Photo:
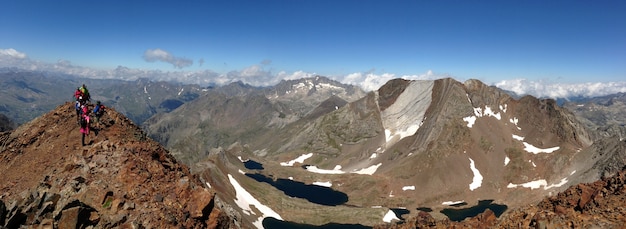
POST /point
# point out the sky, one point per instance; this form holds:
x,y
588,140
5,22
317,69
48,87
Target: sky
x,y
528,46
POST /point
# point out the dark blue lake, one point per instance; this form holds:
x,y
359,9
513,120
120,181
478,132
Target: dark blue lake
x,y
457,215
312,193
271,223
250,164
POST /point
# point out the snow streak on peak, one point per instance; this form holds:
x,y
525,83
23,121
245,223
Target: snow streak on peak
x,y
404,117
480,112
478,179
300,160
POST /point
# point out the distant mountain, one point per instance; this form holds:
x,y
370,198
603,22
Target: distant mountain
x,y
120,180
239,112
603,115
28,94
410,145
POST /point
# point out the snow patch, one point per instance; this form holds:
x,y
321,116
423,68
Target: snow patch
x,y
242,172
412,187
450,203
478,179
145,90
300,160
506,160
534,150
390,216
244,199
314,169
538,184
369,170
337,170
208,184
373,156
517,137
323,184
514,120
478,113
470,120
181,91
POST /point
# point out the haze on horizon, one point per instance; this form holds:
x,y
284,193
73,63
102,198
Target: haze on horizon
x,y
551,49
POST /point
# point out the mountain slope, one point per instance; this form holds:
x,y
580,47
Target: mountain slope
x,y
422,144
241,113
121,179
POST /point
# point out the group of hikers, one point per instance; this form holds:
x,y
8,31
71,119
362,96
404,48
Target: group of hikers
x,y
83,112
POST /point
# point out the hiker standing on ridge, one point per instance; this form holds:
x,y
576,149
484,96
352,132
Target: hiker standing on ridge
x,y
78,107
98,111
86,96
78,94
84,123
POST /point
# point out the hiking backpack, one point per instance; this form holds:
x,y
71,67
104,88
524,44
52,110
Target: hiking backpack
x,y
83,122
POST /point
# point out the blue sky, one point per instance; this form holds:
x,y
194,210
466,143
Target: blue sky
x,y
555,41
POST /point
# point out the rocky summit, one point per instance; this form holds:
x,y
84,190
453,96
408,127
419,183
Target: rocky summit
x,y
120,179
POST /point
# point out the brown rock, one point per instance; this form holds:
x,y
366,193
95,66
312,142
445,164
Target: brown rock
x,y
586,194
69,218
201,201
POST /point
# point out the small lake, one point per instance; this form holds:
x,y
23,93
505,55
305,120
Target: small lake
x,y
312,193
456,214
272,223
250,164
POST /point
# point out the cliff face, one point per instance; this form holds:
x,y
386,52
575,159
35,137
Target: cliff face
x,y
121,178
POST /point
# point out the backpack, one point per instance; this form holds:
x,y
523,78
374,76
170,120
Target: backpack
x,y
83,122
96,109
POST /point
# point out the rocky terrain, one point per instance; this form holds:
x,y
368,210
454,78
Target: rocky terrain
x,y
120,179
589,205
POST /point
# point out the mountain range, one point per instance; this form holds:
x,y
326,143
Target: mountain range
x,y
312,151
408,145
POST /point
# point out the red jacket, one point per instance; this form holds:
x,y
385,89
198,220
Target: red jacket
x,y
78,94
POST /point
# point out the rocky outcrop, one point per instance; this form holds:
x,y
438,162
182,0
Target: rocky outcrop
x,y
121,179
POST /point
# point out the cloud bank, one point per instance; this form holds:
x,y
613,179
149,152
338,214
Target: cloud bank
x,y
153,55
561,90
261,74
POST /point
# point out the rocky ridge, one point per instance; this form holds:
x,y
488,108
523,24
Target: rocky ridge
x,y
121,179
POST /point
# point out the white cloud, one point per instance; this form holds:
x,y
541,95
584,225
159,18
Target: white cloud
x,y
153,55
370,81
12,53
561,90
260,75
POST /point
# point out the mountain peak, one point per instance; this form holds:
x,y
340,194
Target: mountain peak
x,y
121,178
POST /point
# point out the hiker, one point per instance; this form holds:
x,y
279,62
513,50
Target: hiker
x,y
84,123
85,92
78,107
98,111
78,94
